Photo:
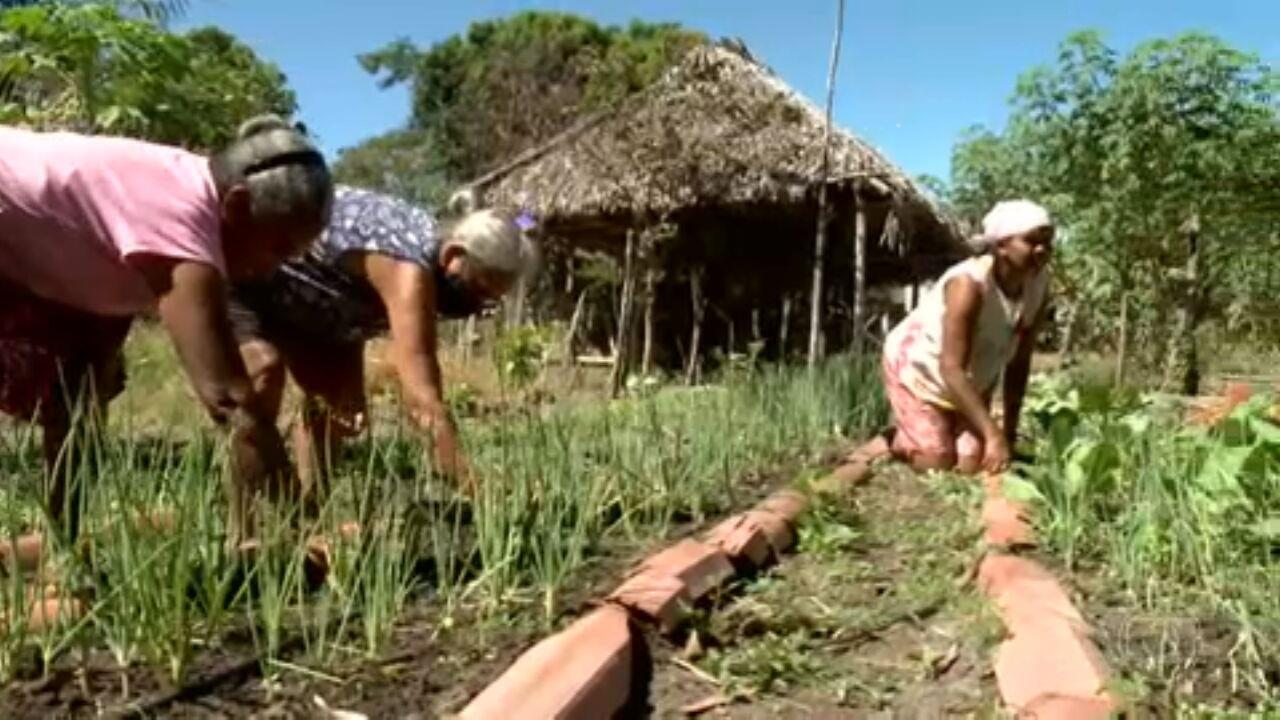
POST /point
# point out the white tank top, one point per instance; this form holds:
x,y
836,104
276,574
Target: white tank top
x,y
915,345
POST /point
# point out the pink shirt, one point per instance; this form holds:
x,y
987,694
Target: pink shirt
x,y
74,209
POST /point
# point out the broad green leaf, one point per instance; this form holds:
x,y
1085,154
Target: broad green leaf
x,y
1021,490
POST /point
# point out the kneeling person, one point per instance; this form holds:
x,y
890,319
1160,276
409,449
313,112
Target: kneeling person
x,y
382,265
978,324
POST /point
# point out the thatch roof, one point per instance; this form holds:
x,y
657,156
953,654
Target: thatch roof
x,y
718,130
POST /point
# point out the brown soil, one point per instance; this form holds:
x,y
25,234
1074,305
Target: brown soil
x,y
1170,661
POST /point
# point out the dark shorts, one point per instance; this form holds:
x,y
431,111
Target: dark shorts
x,y
265,312
50,353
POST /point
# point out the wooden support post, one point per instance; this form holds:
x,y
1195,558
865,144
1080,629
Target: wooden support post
x,y
859,274
519,293
622,350
572,332
650,289
1068,348
784,331
820,242
815,292
1182,371
466,337
1122,349
693,371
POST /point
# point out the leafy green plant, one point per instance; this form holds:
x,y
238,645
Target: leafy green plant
x,y
769,663
519,354
1188,510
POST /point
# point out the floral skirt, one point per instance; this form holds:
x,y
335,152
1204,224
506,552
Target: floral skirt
x,y
51,353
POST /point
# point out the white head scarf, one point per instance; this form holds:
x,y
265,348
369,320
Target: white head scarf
x,y
1009,218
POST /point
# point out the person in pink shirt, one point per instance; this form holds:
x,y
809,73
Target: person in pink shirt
x,y
96,230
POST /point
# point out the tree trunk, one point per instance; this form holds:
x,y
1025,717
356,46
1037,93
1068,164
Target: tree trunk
x,y
1122,347
574,319
517,304
467,337
784,331
1182,371
1069,333
693,371
820,242
859,274
622,350
646,356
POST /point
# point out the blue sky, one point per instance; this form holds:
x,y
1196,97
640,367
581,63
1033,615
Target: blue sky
x,y
913,74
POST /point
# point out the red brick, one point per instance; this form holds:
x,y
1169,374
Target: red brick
x,y
998,572
1048,658
844,478
24,551
701,567
777,529
657,596
743,539
787,504
160,521
46,613
1006,523
993,483
1059,707
582,673
1026,593
876,448
1049,651
673,579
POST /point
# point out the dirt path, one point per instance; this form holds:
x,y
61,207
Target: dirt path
x,y
866,621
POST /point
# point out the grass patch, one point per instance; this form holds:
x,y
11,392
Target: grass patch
x,y
559,486
867,615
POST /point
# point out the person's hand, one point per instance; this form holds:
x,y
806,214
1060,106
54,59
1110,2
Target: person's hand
x,y
996,454
468,485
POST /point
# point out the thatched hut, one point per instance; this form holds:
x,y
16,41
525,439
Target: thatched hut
x,y
711,177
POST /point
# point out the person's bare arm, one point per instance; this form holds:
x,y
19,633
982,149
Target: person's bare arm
x,y
1017,373
193,310
408,292
963,302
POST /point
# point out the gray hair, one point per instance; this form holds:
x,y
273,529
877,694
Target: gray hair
x,y
496,242
285,174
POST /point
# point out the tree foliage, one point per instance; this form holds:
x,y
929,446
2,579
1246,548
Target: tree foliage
x,y
482,96
92,68
401,162
158,10
1128,150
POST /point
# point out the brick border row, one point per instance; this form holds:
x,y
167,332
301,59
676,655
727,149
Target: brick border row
x,y
599,666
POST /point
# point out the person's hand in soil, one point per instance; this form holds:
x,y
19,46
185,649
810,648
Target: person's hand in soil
x,y
996,454
466,482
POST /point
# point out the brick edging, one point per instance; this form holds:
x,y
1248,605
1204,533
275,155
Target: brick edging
x,y
1048,666
600,664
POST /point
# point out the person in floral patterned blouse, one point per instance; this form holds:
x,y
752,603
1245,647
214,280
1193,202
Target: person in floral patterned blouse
x,y
383,266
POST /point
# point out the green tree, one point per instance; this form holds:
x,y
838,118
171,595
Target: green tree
x,y
504,85
90,68
1132,152
401,163
223,83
